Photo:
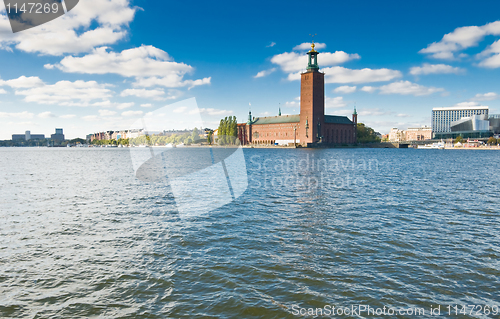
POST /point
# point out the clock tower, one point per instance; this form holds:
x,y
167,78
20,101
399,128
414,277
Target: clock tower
x,y
312,101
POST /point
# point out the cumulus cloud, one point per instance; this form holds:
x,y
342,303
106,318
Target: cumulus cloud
x,y
90,118
150,66
368,89
23,82
294,103
335,102
90,24
210,111
491,56
264,73
146,105
106,113
295,62
144,93
373,112
307,46
122,106
2,91
272,44
408,88
468,104
180,109
19,115
132,113
338,74
68,116
460,39
345,89
427,68
485,97
78,93
46,115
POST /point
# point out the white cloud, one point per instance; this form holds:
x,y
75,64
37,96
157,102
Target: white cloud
x,y
20,115
90,118
271,45
345,89
144,93
211,111
106,113
335,102
67,93
172,81
150,66
408,88
294,103
147,105
91,23
78,93
373,112
132,113
492,54
122,106
485,97
180,109
2,91
460,39
465,104
338,74
294,62
427,68
264,73
403,115
68,116
23,82
46,115
368,89
307,46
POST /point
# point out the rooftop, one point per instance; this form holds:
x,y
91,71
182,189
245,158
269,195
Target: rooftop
x,y
277,119
334,119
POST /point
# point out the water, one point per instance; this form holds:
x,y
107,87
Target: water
x,y
81,237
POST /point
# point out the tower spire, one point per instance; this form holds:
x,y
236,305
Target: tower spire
x,y
312,66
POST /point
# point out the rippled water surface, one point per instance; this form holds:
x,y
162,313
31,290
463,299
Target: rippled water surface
x,y
81,237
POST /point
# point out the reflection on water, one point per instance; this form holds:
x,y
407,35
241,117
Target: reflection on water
x,y
82,237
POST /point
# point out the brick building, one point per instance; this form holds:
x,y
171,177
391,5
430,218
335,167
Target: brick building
x,y
309,128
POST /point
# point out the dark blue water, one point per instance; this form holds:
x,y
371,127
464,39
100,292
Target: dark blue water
x,y
81,237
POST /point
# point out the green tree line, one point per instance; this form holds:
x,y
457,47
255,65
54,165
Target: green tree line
x,y
365,134
228,131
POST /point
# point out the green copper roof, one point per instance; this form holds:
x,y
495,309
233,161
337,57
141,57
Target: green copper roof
x,y
277,119
334,119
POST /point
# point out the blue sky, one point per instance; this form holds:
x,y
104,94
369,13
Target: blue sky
x,y
109,62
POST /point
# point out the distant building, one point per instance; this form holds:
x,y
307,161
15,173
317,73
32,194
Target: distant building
x,y
495,123
418,133
59,136
443,116
397,135
27,136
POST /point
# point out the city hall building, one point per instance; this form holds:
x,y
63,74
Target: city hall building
x,y
311,127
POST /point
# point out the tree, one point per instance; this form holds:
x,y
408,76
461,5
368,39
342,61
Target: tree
x,y
459,139
365,134
492,141
209,137
195,135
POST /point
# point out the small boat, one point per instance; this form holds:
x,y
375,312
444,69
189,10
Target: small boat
x,y
433,146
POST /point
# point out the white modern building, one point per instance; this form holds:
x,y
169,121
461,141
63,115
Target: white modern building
x,y
443,116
